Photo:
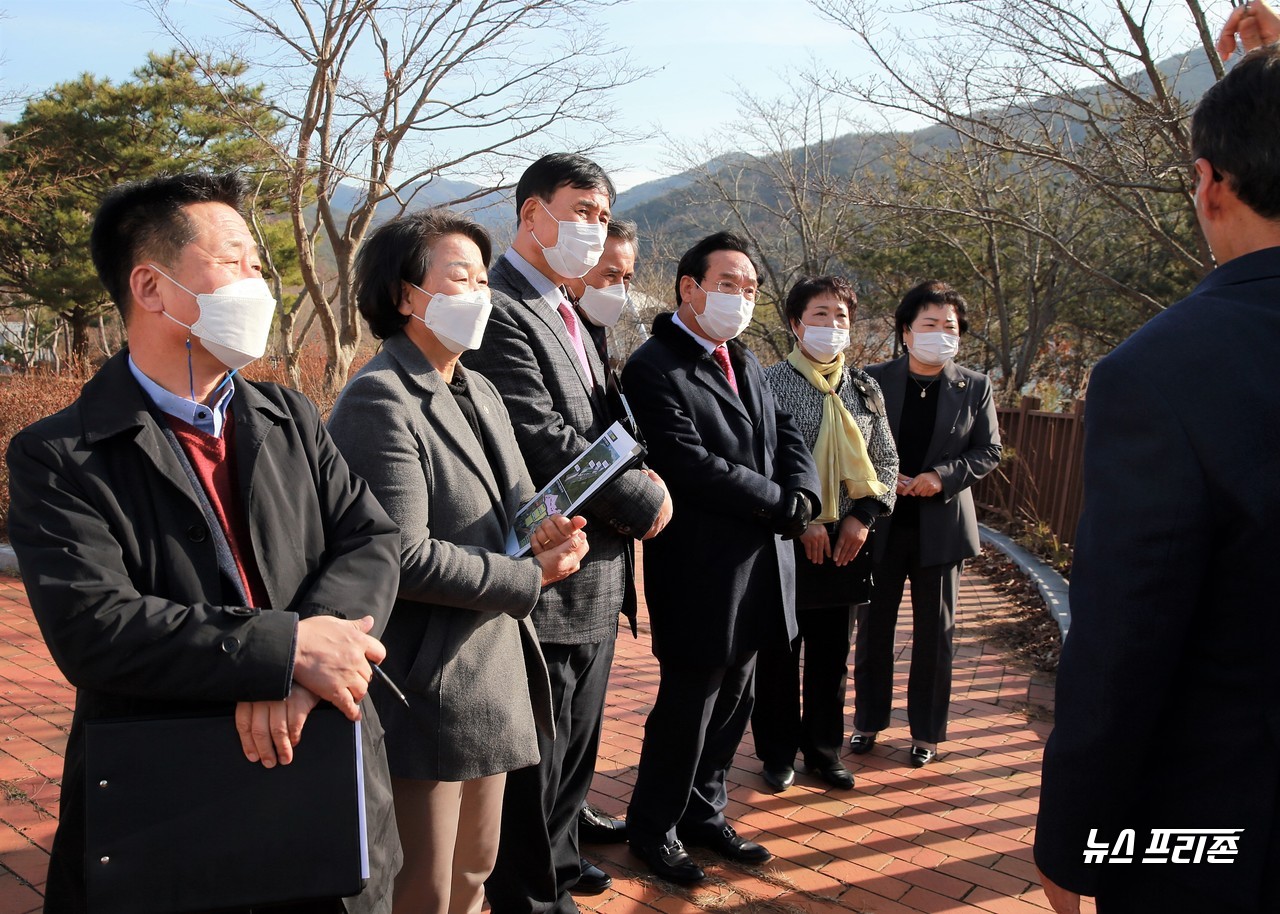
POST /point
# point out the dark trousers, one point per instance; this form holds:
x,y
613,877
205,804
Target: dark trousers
x,y
690,738
933,616
778,724
538,859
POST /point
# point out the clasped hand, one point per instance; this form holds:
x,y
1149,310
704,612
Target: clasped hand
x,y
922,485
792,515
559,545
817,543
332,662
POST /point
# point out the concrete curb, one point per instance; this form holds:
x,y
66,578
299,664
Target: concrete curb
x,y
8,561
1052,586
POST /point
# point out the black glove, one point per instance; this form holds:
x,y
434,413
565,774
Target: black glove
x,y
792,515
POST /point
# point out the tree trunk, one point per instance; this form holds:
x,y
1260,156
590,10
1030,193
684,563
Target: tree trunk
x,y
79,327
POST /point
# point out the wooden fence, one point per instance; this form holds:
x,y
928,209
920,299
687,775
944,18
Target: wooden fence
x,y
1039,477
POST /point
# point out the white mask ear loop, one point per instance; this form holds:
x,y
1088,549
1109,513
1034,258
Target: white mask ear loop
x,y
191,374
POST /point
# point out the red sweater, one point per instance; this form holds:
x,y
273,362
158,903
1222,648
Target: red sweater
x,y
208,457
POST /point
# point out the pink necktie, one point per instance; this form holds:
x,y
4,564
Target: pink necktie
x,y
575,337
721,355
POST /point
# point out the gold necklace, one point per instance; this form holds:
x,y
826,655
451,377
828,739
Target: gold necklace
x,y
924,388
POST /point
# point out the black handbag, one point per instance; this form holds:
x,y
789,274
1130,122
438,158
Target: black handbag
x,y
828,584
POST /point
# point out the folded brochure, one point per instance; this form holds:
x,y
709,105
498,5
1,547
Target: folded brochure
x,y
612,453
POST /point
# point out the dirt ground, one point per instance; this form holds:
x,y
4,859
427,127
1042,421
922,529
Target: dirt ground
x,y
1030,634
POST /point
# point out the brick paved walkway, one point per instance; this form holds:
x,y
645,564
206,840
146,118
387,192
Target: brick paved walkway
x,y
954,836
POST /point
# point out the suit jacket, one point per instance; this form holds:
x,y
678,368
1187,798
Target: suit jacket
x,y
123,577
557,412
1173,600
460,635
717,579
965,447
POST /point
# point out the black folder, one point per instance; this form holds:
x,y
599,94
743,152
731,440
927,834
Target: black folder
x,y
179,820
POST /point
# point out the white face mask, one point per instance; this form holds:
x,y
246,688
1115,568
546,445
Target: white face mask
x,y
934,348
458,321
725,316
235,319
824,343
604,306
579,247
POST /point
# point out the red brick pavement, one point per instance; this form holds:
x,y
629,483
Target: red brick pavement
x,y
953,836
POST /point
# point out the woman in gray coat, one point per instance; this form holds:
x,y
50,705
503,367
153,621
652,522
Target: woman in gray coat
x,y
435,444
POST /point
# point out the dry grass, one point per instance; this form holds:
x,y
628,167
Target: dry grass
x,y
25,398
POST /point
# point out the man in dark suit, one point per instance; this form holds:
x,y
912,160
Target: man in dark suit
x,y
599,298
189,538
719,582
552,381
1168,695
601,295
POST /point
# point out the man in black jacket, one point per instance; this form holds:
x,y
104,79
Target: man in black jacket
x,y
719,581
189,538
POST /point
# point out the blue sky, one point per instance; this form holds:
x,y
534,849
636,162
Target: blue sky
x,y
703,51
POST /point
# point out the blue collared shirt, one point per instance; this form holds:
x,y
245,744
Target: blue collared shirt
x,y
209,419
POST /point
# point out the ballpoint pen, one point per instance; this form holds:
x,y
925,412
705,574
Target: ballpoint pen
x,y
395,689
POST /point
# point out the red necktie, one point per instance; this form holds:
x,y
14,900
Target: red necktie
x,y
575,336
721,355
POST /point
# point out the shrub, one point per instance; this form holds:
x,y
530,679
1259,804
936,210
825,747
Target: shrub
x,y
25,398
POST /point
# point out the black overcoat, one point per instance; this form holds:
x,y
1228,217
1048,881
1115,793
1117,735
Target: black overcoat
x,y
123,577
1168,693
717,578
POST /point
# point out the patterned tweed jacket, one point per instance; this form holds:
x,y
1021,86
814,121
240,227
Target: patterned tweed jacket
x,y
862,397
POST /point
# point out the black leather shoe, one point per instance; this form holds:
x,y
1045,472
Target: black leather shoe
x,y
836,775
670,861
729,844
596,827
861,743
778,779
920,756
593,880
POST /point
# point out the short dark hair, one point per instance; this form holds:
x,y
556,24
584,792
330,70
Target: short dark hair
x,y
400,251
624,230
1236,128
552,172
145,220
929,292
694,262
810,287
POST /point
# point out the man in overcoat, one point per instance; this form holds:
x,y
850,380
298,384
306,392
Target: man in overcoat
x,y
719,581
1161,788
189,538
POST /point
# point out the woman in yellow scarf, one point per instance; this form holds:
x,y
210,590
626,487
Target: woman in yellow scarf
x,y
840,411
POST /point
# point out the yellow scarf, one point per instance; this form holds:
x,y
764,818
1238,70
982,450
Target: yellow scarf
x,y
841,451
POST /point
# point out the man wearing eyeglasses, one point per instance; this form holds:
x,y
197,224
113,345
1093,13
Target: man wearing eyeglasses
x,y
740,475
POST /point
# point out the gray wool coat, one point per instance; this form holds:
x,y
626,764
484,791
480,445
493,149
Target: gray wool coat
x,y
459,642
